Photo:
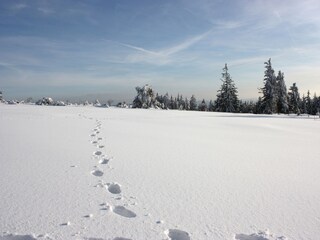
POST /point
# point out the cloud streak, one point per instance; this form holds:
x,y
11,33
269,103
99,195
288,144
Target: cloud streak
x,y
163,56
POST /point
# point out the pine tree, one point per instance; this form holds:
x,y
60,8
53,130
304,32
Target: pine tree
x,y
315,105
187,104
193,103
211,106
227,99
203,106
171,105
303,105
145,98
269,91
258,106
282,95
294,99
308,103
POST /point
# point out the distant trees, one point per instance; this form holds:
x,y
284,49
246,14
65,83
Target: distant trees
x,y
275,97
203,106
193,103
227,98
145,98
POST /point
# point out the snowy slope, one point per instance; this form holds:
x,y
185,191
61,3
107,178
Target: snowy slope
x,y
96,173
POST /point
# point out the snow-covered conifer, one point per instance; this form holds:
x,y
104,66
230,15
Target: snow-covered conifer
x,y
193,103
203,106
308,103
145,98
294,99
282,95
227,99
269,91
211,106
187,104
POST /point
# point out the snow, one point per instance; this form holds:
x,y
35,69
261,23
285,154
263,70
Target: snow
x,y
112,173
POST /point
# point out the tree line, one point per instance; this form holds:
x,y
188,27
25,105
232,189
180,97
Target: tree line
x,y
275,98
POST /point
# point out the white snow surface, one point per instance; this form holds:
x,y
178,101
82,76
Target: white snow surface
x,y
108,173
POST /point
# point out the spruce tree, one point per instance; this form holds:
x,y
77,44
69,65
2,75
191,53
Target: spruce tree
x,y
203,106
227,99
308,103
193,103
269,91
294,99
282,95
315,104
187,104
211,106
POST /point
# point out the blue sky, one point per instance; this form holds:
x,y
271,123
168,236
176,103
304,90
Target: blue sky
x,y
106,48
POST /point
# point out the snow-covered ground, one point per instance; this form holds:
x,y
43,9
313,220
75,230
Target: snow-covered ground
x,y
96,173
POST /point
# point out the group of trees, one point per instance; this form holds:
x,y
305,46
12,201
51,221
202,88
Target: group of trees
x,y
275,98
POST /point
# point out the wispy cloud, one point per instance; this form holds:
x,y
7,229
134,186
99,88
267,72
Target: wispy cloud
x,y
18,6
45,11
163,56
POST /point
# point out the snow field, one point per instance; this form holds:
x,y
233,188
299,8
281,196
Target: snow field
x,y
90,173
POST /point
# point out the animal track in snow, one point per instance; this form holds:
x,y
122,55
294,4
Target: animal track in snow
x,y
94,142
121,238
261,235
97,153
99,139
114,188
124,212
100,146
92,135
104,161
65,224
97,173
117,238
17,237
176,234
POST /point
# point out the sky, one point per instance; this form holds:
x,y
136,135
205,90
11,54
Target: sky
x,y
105,48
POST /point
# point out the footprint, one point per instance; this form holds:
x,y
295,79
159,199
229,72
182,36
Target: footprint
x,y
88,216
97,173
94,142
114,188
17,237
261,235
122,211
104,161
97,153
100,146
99,139
176,234
121,238
65,224
92,135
